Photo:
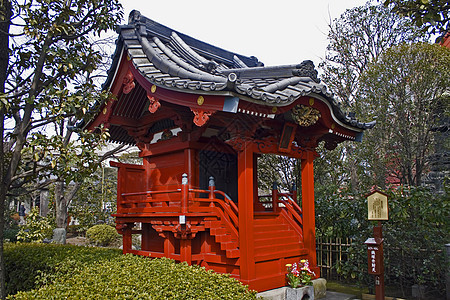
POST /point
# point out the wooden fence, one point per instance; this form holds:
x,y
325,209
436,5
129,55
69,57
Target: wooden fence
x,y
329,252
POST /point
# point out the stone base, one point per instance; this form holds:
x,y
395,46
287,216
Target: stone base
x,y
320,288
59,236
288,293
302,293
418,291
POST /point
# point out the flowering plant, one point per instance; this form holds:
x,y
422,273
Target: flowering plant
x,y
299,274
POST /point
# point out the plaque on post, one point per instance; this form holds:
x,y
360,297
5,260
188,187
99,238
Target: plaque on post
x,y
377,210
377,206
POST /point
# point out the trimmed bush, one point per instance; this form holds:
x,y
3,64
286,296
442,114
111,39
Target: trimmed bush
x,y
102,235
130,277
29,266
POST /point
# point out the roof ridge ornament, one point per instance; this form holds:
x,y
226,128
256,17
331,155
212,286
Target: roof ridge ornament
x,y
134,16
189,54
306,69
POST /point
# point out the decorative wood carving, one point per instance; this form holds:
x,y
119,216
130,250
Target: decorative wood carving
x,y
270,145
201,116
237,143
128,83
166,135
154,104
305,115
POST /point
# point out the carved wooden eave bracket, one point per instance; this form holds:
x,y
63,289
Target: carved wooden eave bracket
x,y
201,116
154,104
128,83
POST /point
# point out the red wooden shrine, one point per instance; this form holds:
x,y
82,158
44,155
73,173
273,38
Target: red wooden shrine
x,y
201,116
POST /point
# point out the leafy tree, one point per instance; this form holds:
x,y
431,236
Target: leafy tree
x,y
282,170
47,80
408,90
356,39
89,204
434,14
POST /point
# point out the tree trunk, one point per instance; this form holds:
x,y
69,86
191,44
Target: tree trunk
x,y
5,15
60,205
63,197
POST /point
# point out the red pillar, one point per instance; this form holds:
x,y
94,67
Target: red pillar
x,y
127,243
189,162
309,223
185,250
245,201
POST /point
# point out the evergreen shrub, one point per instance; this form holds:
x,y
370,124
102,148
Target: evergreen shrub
x,y
74,272
36,228
414,236
102,235
30,265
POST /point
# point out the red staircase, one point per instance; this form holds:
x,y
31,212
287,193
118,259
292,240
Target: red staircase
x,y
223,236
275,237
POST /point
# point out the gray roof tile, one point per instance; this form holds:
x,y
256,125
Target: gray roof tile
x,y
176,61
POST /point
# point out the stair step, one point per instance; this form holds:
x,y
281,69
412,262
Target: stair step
x,y
270,227
278,247
223,238
213,224
235,253
275,234
229,245
274,255
218,230
276,240
268,221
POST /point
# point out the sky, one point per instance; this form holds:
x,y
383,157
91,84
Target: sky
x,y
277,32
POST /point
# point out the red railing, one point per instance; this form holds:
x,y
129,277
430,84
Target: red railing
x,y
184,201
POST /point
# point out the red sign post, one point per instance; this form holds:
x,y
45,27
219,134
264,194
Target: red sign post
x,y
377,210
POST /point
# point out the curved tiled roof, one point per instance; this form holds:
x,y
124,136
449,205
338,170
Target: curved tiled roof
x,y
178,62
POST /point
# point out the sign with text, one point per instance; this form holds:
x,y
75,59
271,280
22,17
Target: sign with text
x,y
375,256
377,206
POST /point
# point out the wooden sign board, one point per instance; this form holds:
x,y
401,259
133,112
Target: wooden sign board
x,y
375,256
377,206
287,137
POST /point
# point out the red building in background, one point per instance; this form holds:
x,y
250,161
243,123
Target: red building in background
x,y
201,116
446,40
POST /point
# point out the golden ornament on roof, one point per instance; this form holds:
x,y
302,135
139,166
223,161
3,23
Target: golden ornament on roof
x,y
305,115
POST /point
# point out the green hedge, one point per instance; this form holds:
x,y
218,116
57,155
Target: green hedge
x,y
108,275
28,265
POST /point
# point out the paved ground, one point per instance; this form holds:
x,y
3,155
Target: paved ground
x,y
338,296
79,241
